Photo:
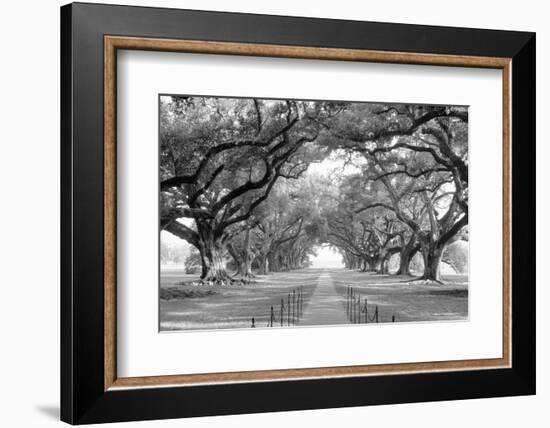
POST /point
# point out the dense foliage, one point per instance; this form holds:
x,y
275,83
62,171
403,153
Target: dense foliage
x,y
240,170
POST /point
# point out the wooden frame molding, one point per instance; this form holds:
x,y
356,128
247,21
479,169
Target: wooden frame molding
x,y
113,43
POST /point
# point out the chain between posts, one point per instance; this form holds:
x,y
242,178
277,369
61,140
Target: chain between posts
x,y
289,312
355,308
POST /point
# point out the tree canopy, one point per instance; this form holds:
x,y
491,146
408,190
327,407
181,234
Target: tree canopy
x,y
241,170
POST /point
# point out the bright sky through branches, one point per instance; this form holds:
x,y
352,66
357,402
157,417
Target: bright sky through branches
x,y
326,257
335,163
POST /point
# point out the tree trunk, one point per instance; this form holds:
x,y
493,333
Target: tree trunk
x,y
243,262
239,265
214,272
383,266
273,261
203,265
373,263
213,264
349,261
432,257
405,257
246,268
262,265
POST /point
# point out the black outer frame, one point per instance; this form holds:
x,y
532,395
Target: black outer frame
x,y
83,399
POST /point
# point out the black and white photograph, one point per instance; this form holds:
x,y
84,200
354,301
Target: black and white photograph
x,y
282,213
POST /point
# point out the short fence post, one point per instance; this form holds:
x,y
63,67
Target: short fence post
x,y
299,302
293,307
253,323
351,298
282,311
347,301
359,309
393,318
272,316
376,313
288,310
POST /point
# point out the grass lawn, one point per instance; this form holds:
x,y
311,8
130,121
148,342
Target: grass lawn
x,y
408,300
189,307
211,307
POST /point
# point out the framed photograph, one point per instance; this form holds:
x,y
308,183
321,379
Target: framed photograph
x,y
266,213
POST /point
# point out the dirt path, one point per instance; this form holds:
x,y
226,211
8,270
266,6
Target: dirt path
x,y
325,306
